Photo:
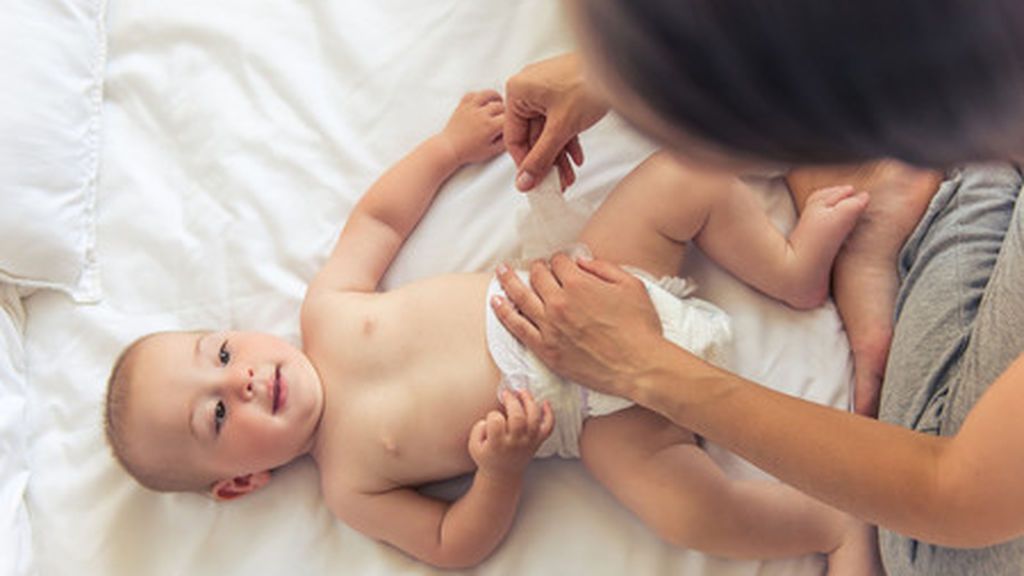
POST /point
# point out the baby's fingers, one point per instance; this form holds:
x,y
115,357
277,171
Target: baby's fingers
x,y
516,413
547,421
533,412
478,434
495,425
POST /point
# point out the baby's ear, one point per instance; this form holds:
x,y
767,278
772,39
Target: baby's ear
x,y
239,485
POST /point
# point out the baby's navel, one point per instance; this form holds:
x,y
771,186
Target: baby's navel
x,y
390,446
369,326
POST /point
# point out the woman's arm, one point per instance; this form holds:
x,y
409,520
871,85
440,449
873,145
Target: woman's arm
x,y
593,322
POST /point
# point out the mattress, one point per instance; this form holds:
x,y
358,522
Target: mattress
x,y
235,139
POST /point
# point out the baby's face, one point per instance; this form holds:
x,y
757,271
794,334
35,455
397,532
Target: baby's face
x,y
224,403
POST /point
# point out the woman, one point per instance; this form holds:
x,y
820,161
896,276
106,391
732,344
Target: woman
x,y
741,85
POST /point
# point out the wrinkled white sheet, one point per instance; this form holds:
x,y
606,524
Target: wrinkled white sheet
x,y
237,137
15,528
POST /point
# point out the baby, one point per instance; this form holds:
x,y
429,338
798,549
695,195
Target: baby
x,y
394,390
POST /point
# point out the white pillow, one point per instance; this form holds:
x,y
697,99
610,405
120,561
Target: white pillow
x,y
52,53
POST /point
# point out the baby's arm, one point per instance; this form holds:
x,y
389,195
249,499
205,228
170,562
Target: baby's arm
x,y
392,207
464,532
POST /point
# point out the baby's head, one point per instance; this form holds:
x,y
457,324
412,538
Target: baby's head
x,y
211,411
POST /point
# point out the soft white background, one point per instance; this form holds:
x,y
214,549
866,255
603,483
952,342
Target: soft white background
x,y
237,136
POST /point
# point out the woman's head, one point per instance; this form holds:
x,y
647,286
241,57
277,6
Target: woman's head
x,y
931,82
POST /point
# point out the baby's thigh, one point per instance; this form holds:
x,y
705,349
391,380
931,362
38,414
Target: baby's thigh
x,y
627,440
658,471
651,214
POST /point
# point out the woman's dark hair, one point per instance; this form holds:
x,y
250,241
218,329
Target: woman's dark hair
x,y
933,82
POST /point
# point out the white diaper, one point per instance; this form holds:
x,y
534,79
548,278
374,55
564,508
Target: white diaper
x,y
691,323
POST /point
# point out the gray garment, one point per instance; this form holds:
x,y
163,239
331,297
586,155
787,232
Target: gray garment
x,y
958,319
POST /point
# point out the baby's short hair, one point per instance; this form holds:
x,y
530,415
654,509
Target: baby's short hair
x,y
164,477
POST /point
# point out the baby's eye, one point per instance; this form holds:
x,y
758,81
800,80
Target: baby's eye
x,y
220,414
224,356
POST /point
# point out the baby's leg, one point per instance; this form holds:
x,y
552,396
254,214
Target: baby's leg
x,y
864,279
741,238
659,472
652,214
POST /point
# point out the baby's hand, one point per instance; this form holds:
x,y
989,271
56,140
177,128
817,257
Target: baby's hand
x,y
505,443
474,130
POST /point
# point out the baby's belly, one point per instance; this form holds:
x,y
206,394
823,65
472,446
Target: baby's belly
x,y
446,379
427,437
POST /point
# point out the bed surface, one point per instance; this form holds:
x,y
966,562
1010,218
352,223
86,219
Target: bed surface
x,y
235,140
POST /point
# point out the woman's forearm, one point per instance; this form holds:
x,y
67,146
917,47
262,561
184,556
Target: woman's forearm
x,y
879,472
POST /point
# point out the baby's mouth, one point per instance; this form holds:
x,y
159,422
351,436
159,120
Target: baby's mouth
x,y
277,390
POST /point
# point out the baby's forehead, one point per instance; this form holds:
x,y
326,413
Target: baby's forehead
x,y
170,346
160,371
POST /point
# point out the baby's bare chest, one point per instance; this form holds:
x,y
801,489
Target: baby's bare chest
x,y
406,374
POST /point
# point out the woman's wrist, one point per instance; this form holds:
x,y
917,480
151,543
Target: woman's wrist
x,y
674,381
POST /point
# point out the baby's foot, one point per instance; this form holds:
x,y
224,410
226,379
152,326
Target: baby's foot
x,y
857,553
865,279
827,218
869,343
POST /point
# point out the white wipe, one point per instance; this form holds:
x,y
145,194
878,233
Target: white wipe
x,y
550,223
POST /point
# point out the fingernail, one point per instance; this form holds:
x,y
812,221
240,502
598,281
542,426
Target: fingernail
x,y
524,181
502,268
496,301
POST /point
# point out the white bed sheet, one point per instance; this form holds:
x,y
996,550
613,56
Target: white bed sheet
x,y
15,528
237,137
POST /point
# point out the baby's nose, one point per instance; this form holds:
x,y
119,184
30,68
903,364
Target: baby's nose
x,y
244,384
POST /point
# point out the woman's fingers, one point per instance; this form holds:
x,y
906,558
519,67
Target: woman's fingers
x,y
515,323
521,295
604,270
566,174
575,150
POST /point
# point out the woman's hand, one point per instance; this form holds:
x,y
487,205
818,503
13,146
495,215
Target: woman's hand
x,y
587,320
548,105
474,130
